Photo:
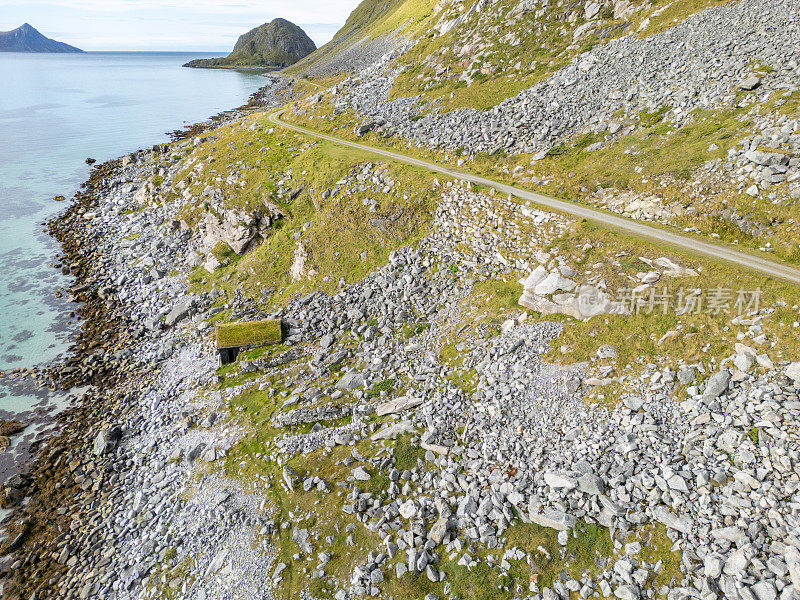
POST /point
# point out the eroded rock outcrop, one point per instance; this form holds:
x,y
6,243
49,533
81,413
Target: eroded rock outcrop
x,y
242,230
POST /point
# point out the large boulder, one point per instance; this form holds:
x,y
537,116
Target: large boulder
x,y
398,405
716,385
178,312
391,432
793,372
673,521
554,282
241,230
750,83
439,530
106,440
350,381
552,518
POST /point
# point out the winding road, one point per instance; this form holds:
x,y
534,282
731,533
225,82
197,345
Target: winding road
x,y
742,259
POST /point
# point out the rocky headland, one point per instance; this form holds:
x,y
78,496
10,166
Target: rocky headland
x,y
273,45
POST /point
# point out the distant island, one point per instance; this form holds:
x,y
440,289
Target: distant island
x,y
27,39
273,45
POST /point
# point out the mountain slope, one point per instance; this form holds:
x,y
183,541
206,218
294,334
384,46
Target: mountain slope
x,y
613,104
27,39
276,44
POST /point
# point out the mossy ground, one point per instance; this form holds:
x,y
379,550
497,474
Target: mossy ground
x,y
657,546
249,333
251,461
319,512
168,577
588,547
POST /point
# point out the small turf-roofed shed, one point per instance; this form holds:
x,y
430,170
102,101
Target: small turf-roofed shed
x,y
232,337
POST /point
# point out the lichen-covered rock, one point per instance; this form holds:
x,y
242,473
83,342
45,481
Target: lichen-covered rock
x,y
241,230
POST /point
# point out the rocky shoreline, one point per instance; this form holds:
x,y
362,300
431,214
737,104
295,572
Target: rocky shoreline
x,y
100,358
114,358
70,371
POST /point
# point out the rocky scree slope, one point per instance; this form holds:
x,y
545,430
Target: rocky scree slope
x,y
696,64
355,46
621,125
476,54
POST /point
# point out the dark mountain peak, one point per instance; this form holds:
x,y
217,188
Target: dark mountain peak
x,y
26,38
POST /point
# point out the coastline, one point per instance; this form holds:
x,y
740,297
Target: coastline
x,y
73,477
491,451
249,69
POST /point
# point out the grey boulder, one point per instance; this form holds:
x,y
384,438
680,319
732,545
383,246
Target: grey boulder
x,y
716,385
179,312
107,440
350,381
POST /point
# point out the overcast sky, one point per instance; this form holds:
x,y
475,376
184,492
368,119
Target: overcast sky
x,y
195,25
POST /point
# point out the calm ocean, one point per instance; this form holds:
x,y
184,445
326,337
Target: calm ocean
x,y
55,111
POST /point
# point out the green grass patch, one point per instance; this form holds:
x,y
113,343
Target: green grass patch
x,y
249,333
222,251
406,453
656,546
449,355
497,296
752,433
387,385
414,329
633,264
652,118
585,545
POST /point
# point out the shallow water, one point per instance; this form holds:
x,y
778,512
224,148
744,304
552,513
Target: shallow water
x,y
55,111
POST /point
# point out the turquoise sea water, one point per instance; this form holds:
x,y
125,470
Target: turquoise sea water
x,y
55,111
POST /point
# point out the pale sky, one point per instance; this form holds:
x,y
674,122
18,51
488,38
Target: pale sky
x,y
193,25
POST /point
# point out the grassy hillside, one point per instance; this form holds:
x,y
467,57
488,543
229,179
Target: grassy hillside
x,y
369,21
475,53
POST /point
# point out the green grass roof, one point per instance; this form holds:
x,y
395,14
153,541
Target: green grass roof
x,y
249,333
